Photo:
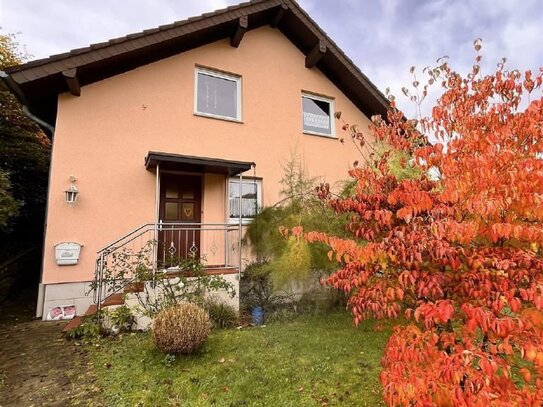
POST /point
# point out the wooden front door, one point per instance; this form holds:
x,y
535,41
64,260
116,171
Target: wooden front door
x,y
180,215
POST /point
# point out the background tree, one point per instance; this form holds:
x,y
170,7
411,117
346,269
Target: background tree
x,y
24,164
9,207
456,245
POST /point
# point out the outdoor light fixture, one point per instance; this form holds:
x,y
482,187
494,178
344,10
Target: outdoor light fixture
x,y
71,192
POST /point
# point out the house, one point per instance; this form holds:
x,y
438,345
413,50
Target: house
x,y
178,133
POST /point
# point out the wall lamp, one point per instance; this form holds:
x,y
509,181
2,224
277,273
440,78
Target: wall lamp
x,y
71,192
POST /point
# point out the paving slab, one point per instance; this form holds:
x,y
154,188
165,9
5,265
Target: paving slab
x,y
39,367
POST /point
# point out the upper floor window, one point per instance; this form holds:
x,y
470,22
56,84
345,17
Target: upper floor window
x,y
217,94
318,113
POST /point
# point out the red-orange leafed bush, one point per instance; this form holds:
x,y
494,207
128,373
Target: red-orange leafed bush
x,y
456,248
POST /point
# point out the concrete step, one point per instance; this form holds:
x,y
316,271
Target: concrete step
x,y
114,299
74,323
111,301
134,287
91,310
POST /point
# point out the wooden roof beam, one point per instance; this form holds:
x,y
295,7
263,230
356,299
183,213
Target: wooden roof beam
x,y
315,54
241,29
279,16
70,76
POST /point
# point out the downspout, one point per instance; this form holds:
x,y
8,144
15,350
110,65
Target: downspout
x,y
240,224
157,218
12,85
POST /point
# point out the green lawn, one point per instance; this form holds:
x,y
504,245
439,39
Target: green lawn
x,y
316,360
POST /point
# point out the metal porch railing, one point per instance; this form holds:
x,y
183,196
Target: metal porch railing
x,y
162,247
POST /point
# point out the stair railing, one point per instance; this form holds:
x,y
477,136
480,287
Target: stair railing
x,y
153,245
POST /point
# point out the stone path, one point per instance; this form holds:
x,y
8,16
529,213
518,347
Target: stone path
x,y
38,367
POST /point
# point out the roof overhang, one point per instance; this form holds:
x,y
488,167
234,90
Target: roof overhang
x,y
38,83
188,163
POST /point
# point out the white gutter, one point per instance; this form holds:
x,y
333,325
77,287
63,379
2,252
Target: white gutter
x,y
26,110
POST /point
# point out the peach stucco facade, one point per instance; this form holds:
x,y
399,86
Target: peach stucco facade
x,y
103,136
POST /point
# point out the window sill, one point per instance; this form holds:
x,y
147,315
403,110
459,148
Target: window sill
x,y
222,118
244,222
310,133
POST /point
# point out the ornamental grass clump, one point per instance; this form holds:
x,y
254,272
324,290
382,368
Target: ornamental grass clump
x,y
181,328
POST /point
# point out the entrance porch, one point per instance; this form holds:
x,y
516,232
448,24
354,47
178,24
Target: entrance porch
x,y
193,222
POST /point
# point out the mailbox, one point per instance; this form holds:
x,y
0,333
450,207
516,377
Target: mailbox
x,y
67,253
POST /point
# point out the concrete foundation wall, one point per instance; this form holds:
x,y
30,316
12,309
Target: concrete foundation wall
x,y
67,294
75,294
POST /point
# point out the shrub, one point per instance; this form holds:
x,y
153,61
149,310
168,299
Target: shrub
x,y
293,265
255,286
293,260
121,319
89,330
181,328
222,315
455,244
256,289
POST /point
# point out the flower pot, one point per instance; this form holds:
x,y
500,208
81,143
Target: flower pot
x,y
257,316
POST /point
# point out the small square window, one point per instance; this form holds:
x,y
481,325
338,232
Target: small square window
x,y
318,113
251,199
217,95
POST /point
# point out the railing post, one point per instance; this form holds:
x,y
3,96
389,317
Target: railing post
x,y
226,260
240,223
96,272
155,247
100,282
157,217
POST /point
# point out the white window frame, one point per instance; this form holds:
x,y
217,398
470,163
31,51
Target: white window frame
x,y
258,182
199,70
330,101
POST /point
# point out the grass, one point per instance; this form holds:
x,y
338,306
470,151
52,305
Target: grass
x,y
314,360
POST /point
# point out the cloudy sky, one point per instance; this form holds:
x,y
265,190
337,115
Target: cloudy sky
x,y
383,37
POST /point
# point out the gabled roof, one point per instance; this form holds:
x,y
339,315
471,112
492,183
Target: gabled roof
x,y
38,83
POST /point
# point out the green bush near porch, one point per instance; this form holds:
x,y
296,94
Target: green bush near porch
x,y
313,361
